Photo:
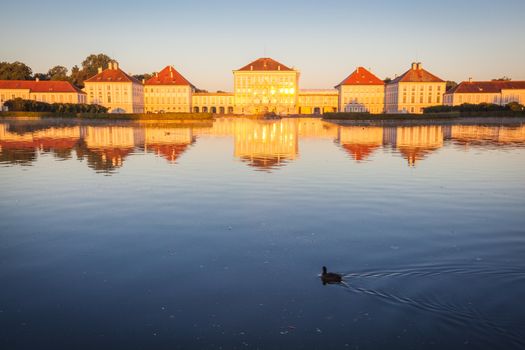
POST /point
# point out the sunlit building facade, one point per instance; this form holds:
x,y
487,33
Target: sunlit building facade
x,y
42,91
317,101
167,91
361,92
115,90
413,91
476,92
213,102
266,86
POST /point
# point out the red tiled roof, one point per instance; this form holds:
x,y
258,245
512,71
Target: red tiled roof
x,y
171,152
168,76
360,151
265,64
483,87
417,75
361,76
40,86
115,75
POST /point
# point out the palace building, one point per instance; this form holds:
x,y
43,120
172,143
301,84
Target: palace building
x,y
42,91
317,101
496,92
115,90
213,102
168,91
266,86
413,91
361,91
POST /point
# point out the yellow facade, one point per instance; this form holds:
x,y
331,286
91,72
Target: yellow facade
x,y
414,91
115,90
266,86
167,98
213,102
167,91
486,92
317,101
362,98
7,94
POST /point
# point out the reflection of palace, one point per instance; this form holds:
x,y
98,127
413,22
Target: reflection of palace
x,y
22,148
470,134
415,142
360,142
105,148
168,143
265,145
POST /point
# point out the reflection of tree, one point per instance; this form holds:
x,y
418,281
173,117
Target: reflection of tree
x,y
105,160
17,155
22,148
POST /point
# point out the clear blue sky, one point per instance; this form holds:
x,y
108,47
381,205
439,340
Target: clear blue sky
x,y
206,40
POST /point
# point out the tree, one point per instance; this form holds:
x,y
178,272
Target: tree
x,y
144,76
15,71
516,107
503,78
90,67
450,85
93,62
75,77
57,73
387,80
41,76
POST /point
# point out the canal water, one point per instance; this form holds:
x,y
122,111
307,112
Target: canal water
x,y
127,235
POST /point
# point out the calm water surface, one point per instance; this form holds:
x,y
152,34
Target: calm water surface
x,y
208,236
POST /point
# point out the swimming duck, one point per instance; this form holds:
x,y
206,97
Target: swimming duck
x,y
330,277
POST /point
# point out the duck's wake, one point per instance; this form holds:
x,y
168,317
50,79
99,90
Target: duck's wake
x,y
459,315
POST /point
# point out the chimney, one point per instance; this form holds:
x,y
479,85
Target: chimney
x,y
251,67
171,73
115,65
156,75
419,65
37,79
414,66
278,67
470,80
143,81
99,70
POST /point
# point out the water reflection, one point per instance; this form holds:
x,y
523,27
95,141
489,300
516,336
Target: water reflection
x,y
263,145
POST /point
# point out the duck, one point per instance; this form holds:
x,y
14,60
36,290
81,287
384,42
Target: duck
x,y
330,277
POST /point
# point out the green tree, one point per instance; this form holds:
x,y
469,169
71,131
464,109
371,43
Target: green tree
x,y
450,85
15,71
503,78
387,80
57,73
75,78
516,107
144,76
90,67
41,76
93,62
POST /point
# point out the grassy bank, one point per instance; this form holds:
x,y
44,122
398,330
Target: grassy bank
x,y
109,116
426,116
